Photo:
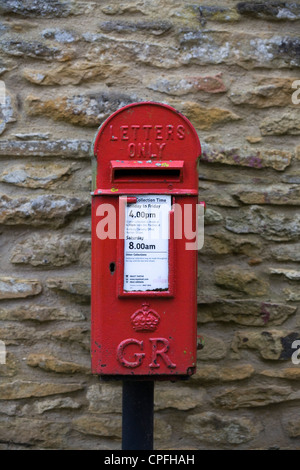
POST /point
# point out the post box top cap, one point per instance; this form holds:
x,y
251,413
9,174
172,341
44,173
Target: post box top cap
x,y
147,127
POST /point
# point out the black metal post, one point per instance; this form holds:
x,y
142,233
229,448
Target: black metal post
x,y
137,420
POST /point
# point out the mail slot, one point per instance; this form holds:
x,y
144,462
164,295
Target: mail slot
x,y
144,221
147,172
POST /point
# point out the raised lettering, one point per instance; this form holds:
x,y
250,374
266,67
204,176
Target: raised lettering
x,y
170,132
160,352
141,151
160,148
135,128
150,153
131,150
124,130
137,356
180,132
112,136
147,128
158,132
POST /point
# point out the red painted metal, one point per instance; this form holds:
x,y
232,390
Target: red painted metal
x,y
144,149
144,135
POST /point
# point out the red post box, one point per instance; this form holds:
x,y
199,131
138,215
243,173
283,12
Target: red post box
x,y
144,272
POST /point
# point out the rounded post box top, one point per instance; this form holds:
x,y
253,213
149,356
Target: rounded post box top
x,y
146,146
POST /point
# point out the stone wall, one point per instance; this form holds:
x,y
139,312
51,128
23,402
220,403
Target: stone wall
x,y
230,67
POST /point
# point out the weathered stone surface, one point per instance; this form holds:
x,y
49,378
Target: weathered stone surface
x,y
156,28
291,177
244,49
255,396
33,433
82,226
207,374
35,176
246,312
188,84
52,250
33,135
181,398
268,224
80,287
273,10
8,409
16,336
292,426
240,280
15,288
116,50
74,74
162,430
35,148
288,123
291,274
212,217
105,398
214,349
263,92
203,117
218,13
4,66
292,295
77,335
35,8
220,243
232,174
28,389
82,110
252,158
253,139
3,28
7,112
125,8
271,344
289,373
36,50
41,313
58,404
102,426
45,9
217,429
41,210
221,198
111,426
60,35
278,194
10,368
51,363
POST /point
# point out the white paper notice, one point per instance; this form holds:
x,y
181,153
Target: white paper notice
x,y
146,244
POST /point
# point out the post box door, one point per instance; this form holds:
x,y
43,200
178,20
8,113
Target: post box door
x,y
139,328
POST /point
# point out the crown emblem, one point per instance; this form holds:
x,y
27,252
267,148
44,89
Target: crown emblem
x,y
145,319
